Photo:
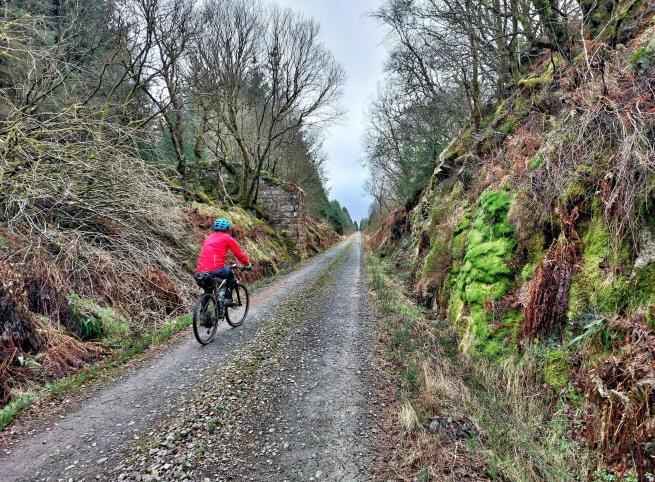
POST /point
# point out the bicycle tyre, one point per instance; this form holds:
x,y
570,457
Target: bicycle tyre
x,y
205,334
236,315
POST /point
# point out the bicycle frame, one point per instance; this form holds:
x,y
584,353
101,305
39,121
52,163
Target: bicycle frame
x,y
222,285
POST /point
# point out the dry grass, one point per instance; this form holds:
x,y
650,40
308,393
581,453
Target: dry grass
x,y
76,191
524,424
438,387
521,426
417,385
394,227
408,418
604,143
80,208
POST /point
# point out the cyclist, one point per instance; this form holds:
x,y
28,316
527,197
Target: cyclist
x,y
211,262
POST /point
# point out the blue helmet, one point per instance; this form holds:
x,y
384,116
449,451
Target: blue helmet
x,y
222,224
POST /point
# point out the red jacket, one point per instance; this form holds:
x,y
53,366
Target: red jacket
x,y
214,249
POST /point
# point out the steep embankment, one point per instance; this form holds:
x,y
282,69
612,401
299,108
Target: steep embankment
x,y
82,279
244,407
535,241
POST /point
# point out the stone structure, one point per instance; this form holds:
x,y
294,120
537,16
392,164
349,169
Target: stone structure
x,y
285,204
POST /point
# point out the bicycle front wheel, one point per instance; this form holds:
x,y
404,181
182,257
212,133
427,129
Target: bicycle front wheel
x,y
237,312
205,319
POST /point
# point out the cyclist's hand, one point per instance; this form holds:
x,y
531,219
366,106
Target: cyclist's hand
x,y
248,267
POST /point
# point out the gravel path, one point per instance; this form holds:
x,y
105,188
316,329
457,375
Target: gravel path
x,y
283,397
316,422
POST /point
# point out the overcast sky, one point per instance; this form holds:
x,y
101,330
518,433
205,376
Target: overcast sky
x,y
356,42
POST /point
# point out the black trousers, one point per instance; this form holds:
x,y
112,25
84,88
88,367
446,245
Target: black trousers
x,y
206,281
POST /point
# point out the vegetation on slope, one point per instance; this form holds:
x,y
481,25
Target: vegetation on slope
x,y
452,417
115,158
534,241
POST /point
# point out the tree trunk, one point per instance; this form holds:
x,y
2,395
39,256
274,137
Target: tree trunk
x,y
505,57
476,114
200,136
554,28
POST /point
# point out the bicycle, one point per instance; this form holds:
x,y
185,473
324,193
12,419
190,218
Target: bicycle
x,y
211,310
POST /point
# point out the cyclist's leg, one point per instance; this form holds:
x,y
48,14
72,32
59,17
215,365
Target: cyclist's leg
x,y
226,274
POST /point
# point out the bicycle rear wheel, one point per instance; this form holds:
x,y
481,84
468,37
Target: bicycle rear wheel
x,y
236,313
205,318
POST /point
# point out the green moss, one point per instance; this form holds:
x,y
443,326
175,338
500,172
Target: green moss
x,y
641,288
484,274
434,269
514,318
500,109
650,317
556,369
536,162
460,235
527,272
575,193
14,408
509,125
457,148
201,196
276,181
522,104
539,81
98,322
435,258
596,286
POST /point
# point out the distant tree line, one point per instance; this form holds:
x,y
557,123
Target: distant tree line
x,y
216,92
339,217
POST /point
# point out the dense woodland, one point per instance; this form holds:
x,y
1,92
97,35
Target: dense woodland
x,y
212,93
451,62
512,162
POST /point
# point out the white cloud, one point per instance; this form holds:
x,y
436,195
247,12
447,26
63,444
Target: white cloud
x,y
355,41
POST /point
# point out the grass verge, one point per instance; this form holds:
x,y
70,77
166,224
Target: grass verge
x,y
121,355
425,432
502,420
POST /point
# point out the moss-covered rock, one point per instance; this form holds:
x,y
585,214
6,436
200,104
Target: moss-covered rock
x,y
537,82
434,266
614,21
484,274
609,281
643,58
536,162
599,285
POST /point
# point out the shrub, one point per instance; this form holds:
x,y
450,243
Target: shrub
x,y
643,58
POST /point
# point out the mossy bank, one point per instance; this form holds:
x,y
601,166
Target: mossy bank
x,y
534,239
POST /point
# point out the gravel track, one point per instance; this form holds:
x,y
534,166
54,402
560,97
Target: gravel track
x,y
316,422
311,349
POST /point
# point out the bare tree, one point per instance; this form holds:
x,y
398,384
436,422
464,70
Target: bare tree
x,y
404,137
265,73
163,33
